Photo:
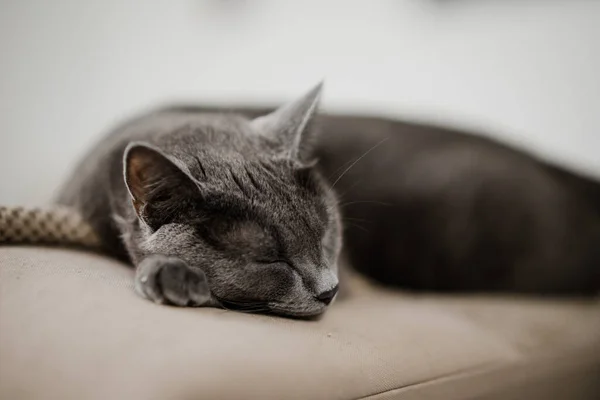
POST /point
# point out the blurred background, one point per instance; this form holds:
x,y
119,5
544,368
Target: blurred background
x,y
526,71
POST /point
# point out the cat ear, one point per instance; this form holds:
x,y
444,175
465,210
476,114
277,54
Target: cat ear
x,y
289,125
159,189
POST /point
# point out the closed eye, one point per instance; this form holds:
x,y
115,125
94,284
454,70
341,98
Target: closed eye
x,y
273,261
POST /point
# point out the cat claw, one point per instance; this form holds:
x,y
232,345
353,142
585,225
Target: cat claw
x,y
169,280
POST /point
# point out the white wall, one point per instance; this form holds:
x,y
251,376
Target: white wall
x,y
528,70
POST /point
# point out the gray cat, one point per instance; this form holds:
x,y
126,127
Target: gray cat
x,y
216,209
238,210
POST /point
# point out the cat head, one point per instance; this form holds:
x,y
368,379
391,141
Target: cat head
x,y
248,207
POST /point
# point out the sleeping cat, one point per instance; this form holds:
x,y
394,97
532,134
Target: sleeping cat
x,y
216,209
244,210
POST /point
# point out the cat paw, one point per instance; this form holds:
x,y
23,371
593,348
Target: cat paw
x,y
169,280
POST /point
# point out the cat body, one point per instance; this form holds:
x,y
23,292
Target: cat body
x,y
237,209
437,209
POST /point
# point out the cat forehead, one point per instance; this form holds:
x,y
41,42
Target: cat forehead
x,y
259,191
180,130
254,170
224,122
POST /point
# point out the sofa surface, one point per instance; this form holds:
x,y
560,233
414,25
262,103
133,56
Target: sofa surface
x,y
71,327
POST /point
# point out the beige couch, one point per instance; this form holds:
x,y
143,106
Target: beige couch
x,y
71,327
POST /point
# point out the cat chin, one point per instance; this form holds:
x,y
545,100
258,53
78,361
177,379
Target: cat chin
x,y
269,309
298,313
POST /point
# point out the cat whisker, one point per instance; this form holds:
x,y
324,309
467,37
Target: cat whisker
x,y
382,141
344,165
355,219
341,195
365,202
362,228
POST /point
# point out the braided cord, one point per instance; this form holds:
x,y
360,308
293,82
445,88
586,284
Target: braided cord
x,y
49,225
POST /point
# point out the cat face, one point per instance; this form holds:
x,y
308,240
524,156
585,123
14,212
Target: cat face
x,y
252,213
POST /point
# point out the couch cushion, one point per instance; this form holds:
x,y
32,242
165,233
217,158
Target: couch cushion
x,y
71,327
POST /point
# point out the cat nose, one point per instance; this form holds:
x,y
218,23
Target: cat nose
x,y
327,296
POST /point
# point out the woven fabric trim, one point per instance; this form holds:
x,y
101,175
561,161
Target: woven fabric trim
x,y
45,225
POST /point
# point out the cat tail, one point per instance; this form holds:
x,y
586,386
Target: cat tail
x,y
53,225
